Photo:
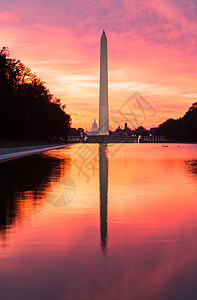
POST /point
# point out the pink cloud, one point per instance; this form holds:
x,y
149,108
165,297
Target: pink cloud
x,y
151,49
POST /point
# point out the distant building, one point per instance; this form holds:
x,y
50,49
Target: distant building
x,y
94,129
76,132
81,130
119,131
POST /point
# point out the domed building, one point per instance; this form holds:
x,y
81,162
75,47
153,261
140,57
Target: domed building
x,y
94,128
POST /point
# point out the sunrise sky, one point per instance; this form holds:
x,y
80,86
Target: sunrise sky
x,y
152,49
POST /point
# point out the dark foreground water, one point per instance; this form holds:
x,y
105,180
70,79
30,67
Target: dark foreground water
x,y
90,222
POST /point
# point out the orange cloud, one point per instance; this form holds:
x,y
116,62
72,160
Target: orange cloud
x,y
151,49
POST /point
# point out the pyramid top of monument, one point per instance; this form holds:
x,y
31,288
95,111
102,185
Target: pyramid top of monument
x,y
103,35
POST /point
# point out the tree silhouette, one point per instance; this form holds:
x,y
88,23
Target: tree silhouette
x,y
28,111
183,129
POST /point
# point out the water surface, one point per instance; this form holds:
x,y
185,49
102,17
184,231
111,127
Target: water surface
x,y
100,222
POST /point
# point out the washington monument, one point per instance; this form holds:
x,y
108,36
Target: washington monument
x,y
103,92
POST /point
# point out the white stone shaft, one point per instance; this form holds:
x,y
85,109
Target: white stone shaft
x,y
103,92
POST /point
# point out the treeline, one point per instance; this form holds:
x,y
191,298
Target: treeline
x,y
28,111
183,129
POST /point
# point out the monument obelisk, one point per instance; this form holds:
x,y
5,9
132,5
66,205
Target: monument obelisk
x,y
103,92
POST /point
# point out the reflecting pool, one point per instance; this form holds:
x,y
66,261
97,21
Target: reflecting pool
x,y
100,222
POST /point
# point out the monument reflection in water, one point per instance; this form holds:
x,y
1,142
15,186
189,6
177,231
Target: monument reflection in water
x,y
103,176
